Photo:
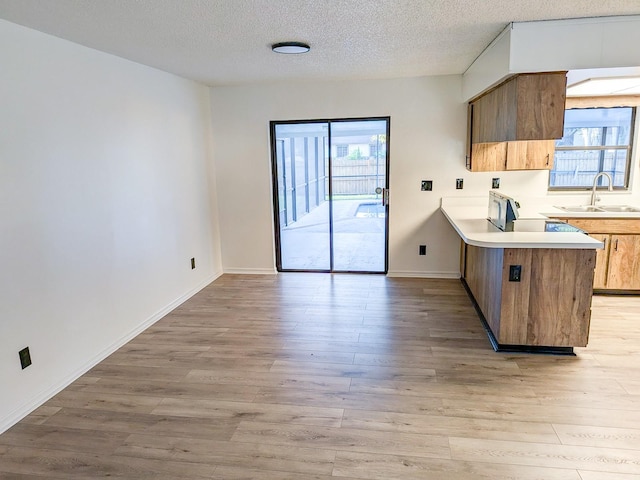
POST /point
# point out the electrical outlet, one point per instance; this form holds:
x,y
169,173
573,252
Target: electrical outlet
x,y
495,183
459,183
193,263
515,272
25,357
422,250
426,185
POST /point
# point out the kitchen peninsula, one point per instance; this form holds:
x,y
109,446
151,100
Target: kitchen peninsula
x,y
532,286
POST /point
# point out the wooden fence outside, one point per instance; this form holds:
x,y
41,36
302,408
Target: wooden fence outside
x,y
357,177
577,167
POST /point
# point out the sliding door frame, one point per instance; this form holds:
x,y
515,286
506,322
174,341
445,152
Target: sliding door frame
x,y
276,199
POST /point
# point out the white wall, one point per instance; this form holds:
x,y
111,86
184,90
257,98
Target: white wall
x,y
554,45
604,42
491,67
104,198
428,125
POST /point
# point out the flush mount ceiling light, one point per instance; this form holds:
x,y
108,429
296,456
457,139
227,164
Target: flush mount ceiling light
x,y
290,47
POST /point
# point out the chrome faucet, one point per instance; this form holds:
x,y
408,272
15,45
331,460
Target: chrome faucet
x,y
595,184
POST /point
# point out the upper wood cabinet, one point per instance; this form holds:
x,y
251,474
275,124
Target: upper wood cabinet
x,y
521,155
525,107
522,111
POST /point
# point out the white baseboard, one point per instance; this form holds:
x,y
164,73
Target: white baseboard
x,y
441,275
251,271
18,414
396,273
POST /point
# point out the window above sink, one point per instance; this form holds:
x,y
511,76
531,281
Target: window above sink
x,y
595,140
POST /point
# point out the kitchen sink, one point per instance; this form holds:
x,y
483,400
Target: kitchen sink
x,y
581,208
600,209
619,208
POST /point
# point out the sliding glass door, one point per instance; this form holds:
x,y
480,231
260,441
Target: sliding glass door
x,y
330,194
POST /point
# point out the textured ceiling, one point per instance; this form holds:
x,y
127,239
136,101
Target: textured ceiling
x,y
221,42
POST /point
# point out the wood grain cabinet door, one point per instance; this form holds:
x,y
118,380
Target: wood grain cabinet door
x,y
528,106
624,262
527,113
521,155
541,101
602,261
530,155
488,157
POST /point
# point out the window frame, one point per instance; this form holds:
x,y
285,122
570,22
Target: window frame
x,y
342,148
629,149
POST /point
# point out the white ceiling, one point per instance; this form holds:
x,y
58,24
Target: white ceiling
x,y
222,42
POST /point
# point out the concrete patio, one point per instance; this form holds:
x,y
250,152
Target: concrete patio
x,y
359,238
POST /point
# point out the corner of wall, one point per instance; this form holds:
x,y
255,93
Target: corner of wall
x,y
41,397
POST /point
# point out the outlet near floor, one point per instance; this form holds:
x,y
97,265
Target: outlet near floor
x,y
25,357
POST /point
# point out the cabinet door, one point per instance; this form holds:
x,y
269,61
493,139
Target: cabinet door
x,y
602,261
541,101
530,155
488,157
524,107
494,114
495,157
624,262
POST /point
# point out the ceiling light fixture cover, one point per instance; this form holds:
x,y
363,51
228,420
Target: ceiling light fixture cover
x,y
290,47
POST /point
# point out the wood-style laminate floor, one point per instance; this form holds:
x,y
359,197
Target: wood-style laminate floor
x,y
316,376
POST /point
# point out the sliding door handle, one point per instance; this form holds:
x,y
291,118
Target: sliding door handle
x,y
385,195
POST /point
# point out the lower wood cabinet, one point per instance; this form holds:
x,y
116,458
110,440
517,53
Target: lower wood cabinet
x,y
618,264
602,261
624,262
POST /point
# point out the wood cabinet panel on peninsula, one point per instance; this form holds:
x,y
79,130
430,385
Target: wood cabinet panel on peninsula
x,y
549,306
513,126
532,285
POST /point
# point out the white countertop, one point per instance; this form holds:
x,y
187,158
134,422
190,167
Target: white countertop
x,y
470,221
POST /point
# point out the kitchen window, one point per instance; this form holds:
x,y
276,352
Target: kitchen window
x,y
595,140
